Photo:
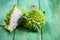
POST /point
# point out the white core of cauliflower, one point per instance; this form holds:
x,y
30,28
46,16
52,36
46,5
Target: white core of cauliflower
x,y
14,18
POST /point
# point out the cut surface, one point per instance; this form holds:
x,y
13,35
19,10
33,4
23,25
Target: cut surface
x,y
16,14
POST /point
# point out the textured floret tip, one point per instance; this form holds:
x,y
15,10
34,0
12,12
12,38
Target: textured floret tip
x,y
12,17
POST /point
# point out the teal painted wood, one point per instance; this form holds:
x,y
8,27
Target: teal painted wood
x,y
23,34
5,6
4,35
51,30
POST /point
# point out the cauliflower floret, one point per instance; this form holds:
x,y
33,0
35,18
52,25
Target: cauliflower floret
x,y
33,20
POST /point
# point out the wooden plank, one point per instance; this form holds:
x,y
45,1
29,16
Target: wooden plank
x,y
57,15
5,6
4,35
51,30
23,34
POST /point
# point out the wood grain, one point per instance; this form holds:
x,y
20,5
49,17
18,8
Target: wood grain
x,y
51,30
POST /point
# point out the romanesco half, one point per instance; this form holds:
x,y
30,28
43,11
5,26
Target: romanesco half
x,y
33,20
12,17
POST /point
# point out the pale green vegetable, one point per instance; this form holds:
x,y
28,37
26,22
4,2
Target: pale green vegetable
x,y
12,17
33,20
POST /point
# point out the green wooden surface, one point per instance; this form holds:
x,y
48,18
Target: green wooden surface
x,y
4,35
50,31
